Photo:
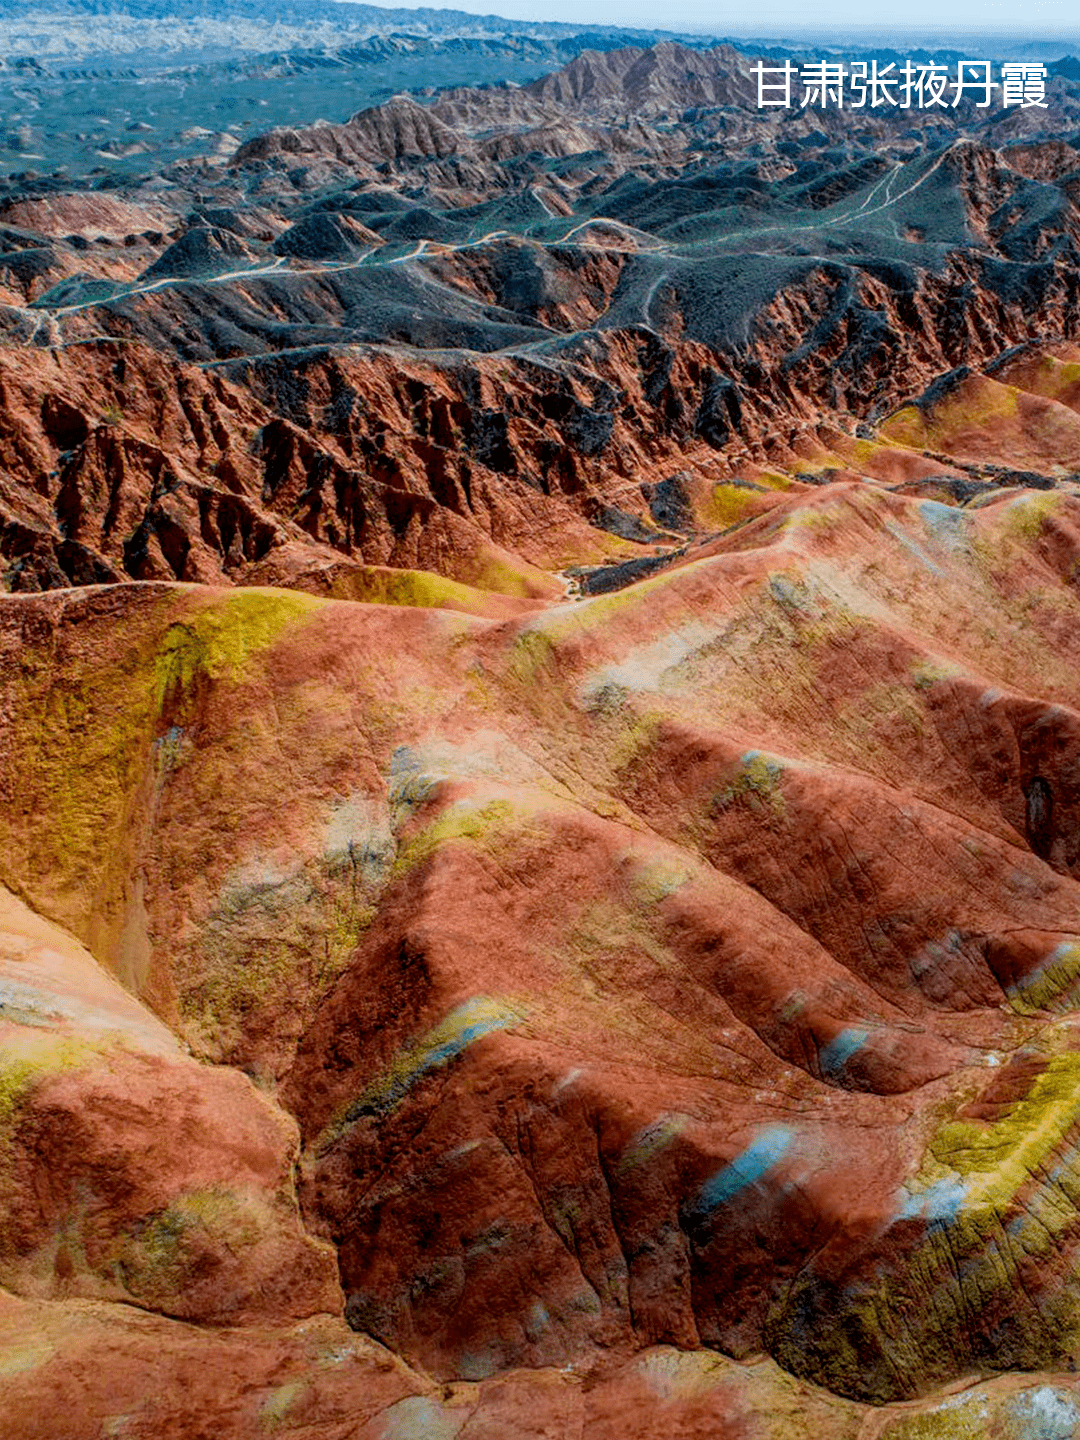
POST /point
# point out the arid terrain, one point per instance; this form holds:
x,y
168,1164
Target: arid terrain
x,y
540,774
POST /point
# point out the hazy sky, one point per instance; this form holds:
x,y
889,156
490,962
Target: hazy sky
x,y
1027,18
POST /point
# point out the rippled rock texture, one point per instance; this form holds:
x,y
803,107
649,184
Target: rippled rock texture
x,y
540,780
688,966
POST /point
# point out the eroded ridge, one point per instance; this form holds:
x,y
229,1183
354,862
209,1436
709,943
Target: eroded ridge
x,y
692,966
540,777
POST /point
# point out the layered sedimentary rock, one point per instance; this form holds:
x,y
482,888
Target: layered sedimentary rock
x,y
690,966
538,780
291,378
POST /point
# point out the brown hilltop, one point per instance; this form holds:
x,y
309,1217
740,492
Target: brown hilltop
x,y
398,129
646,83
600,86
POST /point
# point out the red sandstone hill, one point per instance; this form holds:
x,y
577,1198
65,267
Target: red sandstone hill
x,y
625,983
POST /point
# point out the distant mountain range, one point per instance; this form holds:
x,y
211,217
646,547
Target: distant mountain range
x,y
354,19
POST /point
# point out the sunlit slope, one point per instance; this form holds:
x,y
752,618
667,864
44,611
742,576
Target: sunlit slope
x,y
614,957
